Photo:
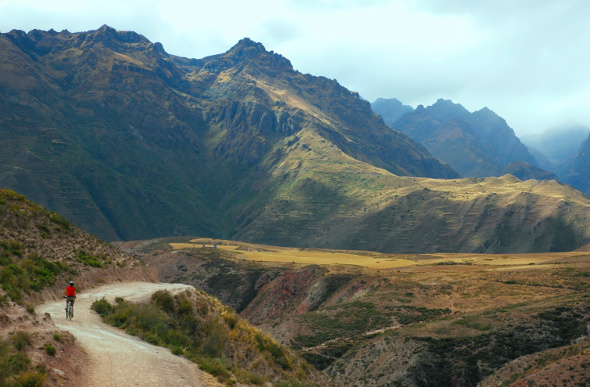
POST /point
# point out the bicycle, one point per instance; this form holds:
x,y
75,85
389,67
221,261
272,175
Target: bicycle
x,y
69,311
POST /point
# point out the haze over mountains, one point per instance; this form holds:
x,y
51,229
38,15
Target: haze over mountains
x,y
481,144
475,144
131,142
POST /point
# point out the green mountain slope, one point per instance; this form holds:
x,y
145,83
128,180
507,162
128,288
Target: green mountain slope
x,y
130,142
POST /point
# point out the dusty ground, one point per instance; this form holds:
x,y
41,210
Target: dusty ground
x,y
115,358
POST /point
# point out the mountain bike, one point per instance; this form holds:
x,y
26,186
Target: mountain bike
x,y
69,311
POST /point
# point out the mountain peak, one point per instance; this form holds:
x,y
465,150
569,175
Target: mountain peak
x,y
106,33
447,109
486,112
390,109
247,51
246,43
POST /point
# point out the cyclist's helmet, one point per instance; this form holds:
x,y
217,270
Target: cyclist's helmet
x,y
71,283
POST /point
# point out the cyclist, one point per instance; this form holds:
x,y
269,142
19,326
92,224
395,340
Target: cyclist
x,y
70,295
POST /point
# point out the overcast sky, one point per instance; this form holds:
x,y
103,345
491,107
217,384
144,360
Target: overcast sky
x,y
527,60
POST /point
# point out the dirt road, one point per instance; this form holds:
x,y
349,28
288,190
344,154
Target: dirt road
x,y
117,359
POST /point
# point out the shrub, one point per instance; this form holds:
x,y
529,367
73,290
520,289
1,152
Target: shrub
x,y
202,307
171,321
21,340
89,260
185,307
31,379
231,319
15,364
102,307
151,319
50,349
215,367
214,343
60,221
164,300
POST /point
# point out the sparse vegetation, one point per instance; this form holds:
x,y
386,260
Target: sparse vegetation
x,y
418,308
214,337
50,349
15,366
91,260
25,275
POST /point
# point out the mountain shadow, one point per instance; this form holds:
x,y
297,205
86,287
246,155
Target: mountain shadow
x,y
130,142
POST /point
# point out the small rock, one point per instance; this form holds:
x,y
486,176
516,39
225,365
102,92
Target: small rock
x,y
59,372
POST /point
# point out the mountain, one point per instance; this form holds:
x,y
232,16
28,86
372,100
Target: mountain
x,y
475,144
130,142
390,109
560,145
524,171
40,252
580,175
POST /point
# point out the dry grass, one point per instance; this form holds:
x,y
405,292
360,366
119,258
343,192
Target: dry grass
x,y
417,262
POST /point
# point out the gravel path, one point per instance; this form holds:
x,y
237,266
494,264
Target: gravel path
x,y
117,359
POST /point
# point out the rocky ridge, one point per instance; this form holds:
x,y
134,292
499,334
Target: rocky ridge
x,y
475,144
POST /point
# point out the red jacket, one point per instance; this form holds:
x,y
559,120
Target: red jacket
x,y
70,291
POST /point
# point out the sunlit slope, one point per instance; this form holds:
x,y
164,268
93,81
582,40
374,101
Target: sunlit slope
x,y
130,142
326,199
414,319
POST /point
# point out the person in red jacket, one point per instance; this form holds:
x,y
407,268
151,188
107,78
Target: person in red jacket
x,y
70,294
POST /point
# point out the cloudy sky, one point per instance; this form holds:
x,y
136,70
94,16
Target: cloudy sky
x,y
527,60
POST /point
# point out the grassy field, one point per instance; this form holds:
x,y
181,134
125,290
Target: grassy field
x,y
371,260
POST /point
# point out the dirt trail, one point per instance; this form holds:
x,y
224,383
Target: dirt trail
x,y
117,359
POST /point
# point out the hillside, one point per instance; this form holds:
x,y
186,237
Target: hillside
x,y
130,142
524,171
40,252
477,144
579,172
367,318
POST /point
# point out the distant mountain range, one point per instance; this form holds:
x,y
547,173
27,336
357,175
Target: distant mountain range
x,y
475,144
579,174
390,109
130,142
558,148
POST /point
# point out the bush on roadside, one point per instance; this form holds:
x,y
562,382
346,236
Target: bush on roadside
x,y
203,330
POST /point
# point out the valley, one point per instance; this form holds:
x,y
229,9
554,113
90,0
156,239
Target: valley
x,y
325,247
413,319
